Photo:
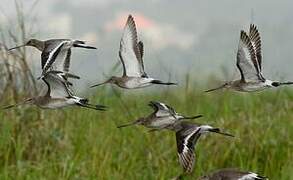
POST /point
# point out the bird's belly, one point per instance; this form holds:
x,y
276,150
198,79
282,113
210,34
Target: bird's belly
x,y
57,103
134,83
252,87
161,122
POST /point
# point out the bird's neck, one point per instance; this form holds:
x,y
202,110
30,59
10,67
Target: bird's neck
x,y
40,45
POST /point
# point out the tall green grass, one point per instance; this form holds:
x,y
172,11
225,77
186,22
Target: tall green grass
x,y
76,143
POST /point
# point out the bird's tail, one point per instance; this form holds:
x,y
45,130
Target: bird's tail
x,y
162,83
81,44
84,103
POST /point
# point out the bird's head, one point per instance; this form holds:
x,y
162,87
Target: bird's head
x,y
35,43
227,84
112,79
207,128
32,42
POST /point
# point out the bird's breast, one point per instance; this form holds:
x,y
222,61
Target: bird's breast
x,y
136,82
56,103
161,122
251,87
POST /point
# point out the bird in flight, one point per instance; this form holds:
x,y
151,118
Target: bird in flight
x,y
58,95
249,63
56,54
187,135
232,174
131,56
163,117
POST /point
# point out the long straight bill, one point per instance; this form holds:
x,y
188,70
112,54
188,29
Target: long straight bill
x,y
100,84
16,47
217,130
286,83
17,104
95,107
193,117
221,87
128,124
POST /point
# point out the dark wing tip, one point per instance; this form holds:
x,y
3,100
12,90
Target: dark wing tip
x,y
246,40
130,21
140,43
130,17
253,27
243,35
187,160
140,47
153,103
254,33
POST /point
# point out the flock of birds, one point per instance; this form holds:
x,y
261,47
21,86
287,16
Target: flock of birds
x,y
55,62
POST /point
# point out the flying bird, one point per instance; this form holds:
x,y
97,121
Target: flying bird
x,y
249,63
56,54
187,135
163,117
131,56
232,174
58,95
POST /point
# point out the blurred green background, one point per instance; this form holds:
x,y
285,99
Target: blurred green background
x,y
78,143
190,42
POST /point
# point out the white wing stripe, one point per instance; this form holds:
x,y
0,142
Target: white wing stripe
x,y
50,61
249,176
185,148
129,51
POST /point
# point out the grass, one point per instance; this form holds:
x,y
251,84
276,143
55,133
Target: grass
x,y
76,143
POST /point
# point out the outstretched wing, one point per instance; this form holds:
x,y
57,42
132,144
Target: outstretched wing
x,y
129,52
246,60
53,58
161,109
186,139
56,86
256,42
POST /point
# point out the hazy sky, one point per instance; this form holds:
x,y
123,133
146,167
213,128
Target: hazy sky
x,y
196,36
